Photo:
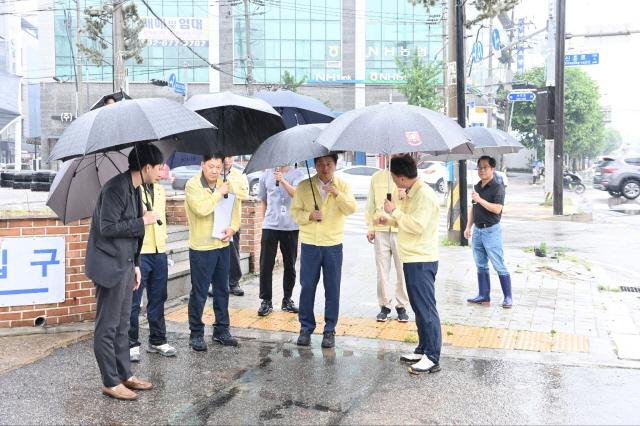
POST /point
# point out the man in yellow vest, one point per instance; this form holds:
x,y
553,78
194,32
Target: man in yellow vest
x,y
208,253
384,239
154,269
417,220
239,186
319,207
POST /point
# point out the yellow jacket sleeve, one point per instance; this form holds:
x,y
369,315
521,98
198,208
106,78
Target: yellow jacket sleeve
x,y
299,212
345,201
200,199
235,214
370,208
414,220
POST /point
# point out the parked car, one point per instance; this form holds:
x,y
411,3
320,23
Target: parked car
x,y
182,174
252,178
473,178
435,174
359,177
619,176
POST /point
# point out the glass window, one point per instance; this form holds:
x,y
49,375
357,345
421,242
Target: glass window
x,y
272,49
333,30
272,29
288,49
288,30
303,49
318,30
318,50
303,30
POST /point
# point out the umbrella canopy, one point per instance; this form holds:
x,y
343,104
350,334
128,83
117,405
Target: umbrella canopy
x,y
123,124
243,123
76,187
295,108
118,96
395,128
288,147
490,141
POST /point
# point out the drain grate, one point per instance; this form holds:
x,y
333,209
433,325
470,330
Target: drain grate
x,y
630,289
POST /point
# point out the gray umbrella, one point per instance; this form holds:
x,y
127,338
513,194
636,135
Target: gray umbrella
x,y
489,141
395,128
76,187
288,147
122,124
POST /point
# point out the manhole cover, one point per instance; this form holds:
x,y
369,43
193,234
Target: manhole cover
x,y
630,289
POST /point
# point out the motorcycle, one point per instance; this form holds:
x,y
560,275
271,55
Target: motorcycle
x,y
572,182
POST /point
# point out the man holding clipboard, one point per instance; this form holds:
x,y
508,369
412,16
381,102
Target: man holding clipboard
x,y
213,220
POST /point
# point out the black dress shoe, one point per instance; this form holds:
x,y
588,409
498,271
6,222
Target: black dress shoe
x,y
225,339
265,308
236,290
304,339
289,306
328,339
198,344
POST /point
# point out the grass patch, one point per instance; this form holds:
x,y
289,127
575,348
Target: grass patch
x,y
448,243
410,338
449,333
610,289
579,261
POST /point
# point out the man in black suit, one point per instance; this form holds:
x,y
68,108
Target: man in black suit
x,y
112,263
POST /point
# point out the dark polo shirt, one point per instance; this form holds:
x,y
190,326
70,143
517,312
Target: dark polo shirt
x,y
492,192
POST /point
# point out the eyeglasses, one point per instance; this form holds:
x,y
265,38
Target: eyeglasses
x,y
484,168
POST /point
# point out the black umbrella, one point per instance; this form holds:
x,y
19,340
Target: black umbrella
x,y
297,109
117,97
243,123
124,124
288,147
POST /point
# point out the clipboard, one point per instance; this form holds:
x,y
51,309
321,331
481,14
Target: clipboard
x,y
222,216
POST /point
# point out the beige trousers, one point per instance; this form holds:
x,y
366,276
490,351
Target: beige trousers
x,y
386,249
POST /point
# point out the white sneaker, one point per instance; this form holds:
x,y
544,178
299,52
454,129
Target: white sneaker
x,y
425,365
164,349
134,354
411,358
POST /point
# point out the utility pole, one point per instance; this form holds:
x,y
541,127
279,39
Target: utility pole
x,y
247,36
78,64
490,99
456,108
118,46
461,108
558,145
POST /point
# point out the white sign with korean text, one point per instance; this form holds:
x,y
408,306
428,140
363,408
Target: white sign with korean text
x,y
194,31
32,270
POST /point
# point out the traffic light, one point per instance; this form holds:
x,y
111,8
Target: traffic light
x,y
156,82
545,111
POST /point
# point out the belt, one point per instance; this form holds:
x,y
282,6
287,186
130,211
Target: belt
x,y
485,225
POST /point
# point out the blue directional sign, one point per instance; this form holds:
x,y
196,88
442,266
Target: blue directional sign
x,y
524,96
172,80
477,52
179,88
495,39
581,59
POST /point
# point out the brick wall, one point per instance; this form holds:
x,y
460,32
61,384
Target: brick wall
x,y
251,232
80,302
174,209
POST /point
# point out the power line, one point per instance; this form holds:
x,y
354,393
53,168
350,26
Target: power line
x,y
215,67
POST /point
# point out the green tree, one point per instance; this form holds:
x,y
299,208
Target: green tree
x,y
289,81
95,20
612,140
422,79
584,129
486,8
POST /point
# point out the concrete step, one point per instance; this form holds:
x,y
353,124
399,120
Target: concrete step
x,y
178,250
177,233
179,280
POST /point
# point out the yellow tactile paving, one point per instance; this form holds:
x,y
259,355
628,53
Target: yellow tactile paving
x,y
457,335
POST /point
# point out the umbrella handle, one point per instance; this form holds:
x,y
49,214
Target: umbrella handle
x,y
159,222
389,196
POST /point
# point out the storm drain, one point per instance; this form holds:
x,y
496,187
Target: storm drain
x,y
630,289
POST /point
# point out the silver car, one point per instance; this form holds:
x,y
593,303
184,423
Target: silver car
x,y
619,176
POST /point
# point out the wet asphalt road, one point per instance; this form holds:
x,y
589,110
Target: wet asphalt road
x,y
271,381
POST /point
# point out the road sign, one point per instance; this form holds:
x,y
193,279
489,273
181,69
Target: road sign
x,y
495,39
477,52
179,88
172,80
581,59
524,96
